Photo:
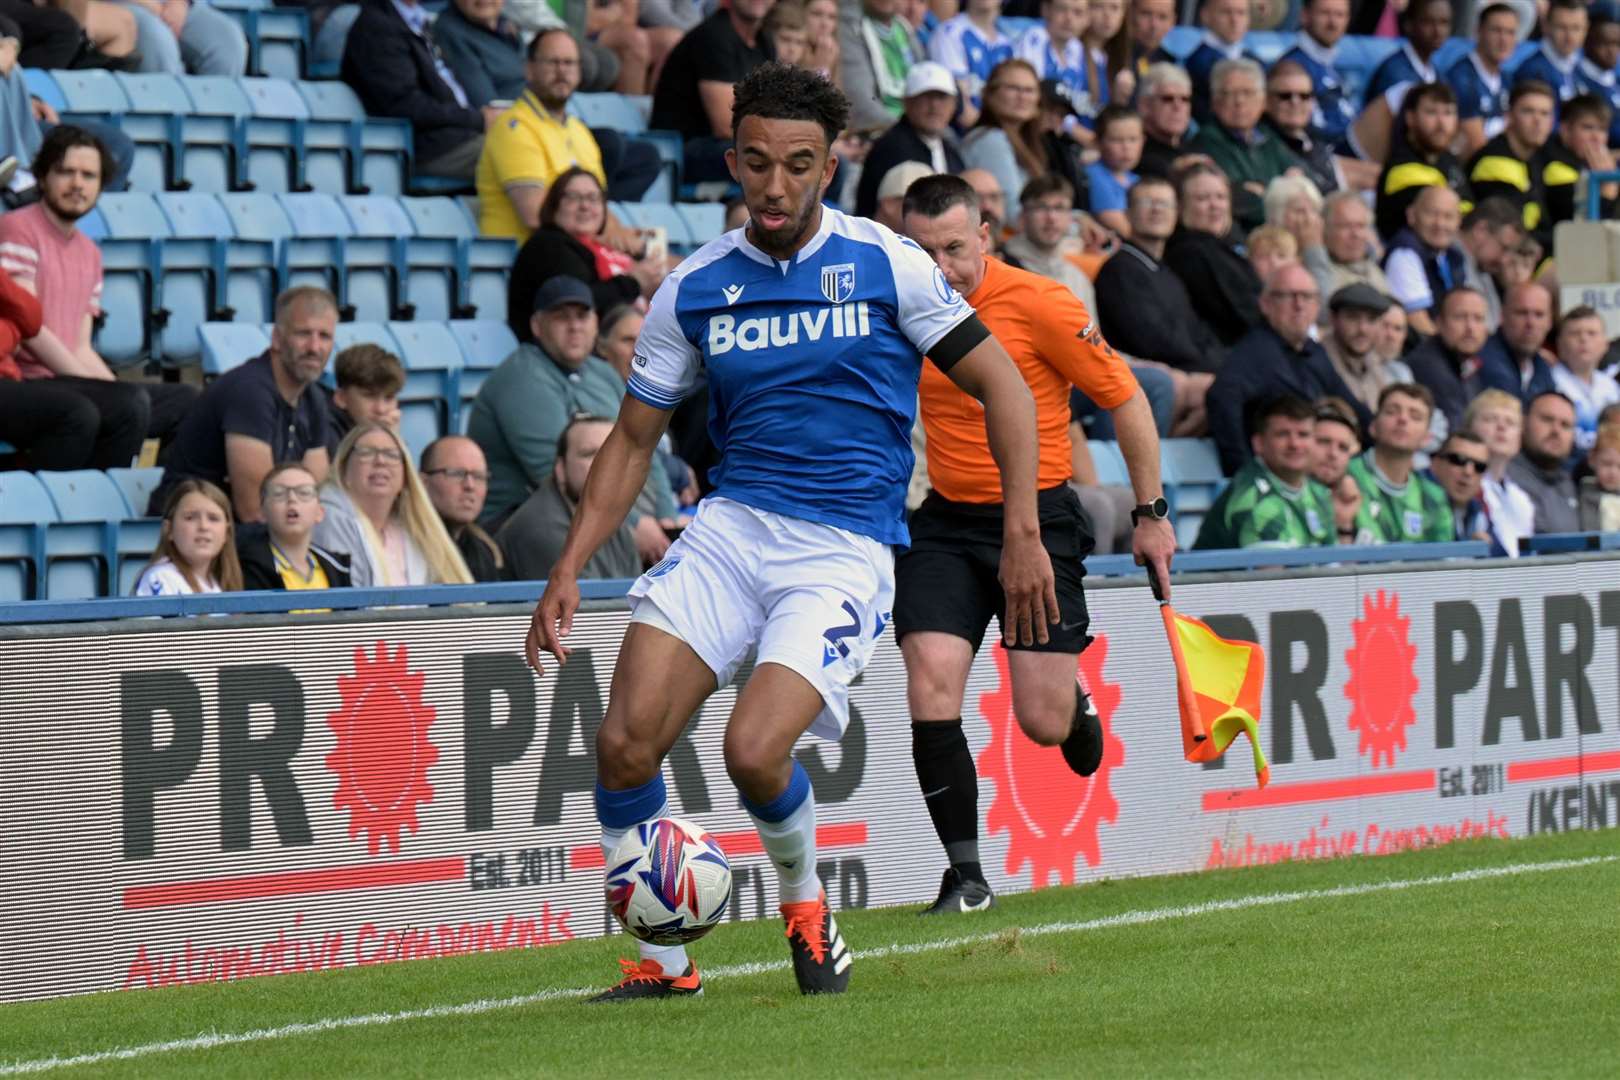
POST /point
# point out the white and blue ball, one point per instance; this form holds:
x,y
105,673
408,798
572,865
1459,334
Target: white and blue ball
x,y
668,882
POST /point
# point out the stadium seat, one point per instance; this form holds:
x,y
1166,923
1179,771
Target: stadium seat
x,y
705,221
332,138
374,256
81,546
1192,473
90,94
435,256
274,135
430,400
26,511
484,344
43,86
608,111
1109,462
192,264
280,37
314,254
653,215
214,152
157,104
253,266
225,345
134,227
138,534
363,333
486,267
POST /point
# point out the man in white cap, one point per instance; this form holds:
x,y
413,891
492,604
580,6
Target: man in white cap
x,y
892,192
923,133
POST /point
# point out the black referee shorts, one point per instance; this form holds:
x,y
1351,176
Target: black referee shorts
x,y
947,580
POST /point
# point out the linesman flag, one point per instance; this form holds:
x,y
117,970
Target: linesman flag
x,y
1217,685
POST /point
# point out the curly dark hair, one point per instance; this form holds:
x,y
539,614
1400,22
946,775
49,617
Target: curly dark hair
x,y
778,92
62,138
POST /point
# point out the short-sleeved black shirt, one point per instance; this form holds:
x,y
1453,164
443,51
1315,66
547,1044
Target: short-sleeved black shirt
x,y
244,401
710,52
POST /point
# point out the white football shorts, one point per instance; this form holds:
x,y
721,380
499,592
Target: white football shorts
x,y
813,598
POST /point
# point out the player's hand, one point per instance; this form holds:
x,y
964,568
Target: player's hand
x,y
1026,580
553,619
1153,544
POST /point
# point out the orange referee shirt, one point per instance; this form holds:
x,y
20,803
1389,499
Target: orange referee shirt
x,y
1056,344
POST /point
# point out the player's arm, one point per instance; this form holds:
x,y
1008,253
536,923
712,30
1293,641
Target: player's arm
x,y
615,480
987,372
1153,541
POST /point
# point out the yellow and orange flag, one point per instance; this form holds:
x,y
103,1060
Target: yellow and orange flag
x,y
1218,685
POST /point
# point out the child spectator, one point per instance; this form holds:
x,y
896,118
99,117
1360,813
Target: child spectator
x,y
1119,141
369,379
1582,345
281,556
1271,247
195,552
821,35
1600,492
787,29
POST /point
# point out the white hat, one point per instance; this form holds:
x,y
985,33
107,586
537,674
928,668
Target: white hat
x,y
900,177
929,77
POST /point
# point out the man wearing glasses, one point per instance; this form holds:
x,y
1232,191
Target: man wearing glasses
x,y
1322,26
1289,109
281,555
1165,102
1246,152
1278,358
534,141
457,480
1459,469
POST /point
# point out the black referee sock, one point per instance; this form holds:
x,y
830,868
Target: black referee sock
x,y
950,787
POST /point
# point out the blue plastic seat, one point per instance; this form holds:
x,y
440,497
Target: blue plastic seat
x,y
281,41
608,111
363,333
332,133
435,257
381,146
43,86
137,486
484,344
315,253
81,546
1192,473
224,345
156,105
431,399
131,275
214,152
192,260
375,255
274,134
90,94
704,221
253,266
26,511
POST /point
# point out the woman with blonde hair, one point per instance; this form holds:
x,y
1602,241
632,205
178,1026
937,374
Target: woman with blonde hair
x,y
196,550
379,514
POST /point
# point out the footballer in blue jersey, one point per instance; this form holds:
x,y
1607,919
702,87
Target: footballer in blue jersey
x,y
970,51
809,327
1559,57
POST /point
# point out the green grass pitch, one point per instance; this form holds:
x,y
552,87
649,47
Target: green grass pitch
x,y
1473,968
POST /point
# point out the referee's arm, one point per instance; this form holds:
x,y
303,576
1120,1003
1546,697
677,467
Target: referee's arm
x,y
976,362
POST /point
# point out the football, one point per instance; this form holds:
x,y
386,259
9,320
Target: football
x,y
668,882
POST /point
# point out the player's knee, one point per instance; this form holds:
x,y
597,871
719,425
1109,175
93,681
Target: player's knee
x,y
1045,717
623,761
755,770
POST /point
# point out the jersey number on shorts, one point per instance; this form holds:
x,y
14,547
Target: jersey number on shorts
x,y
836,648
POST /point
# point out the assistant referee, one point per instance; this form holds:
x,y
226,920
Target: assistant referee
x,y
946,583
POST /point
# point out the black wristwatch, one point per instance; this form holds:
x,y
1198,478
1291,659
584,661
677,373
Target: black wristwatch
x,y
1157,510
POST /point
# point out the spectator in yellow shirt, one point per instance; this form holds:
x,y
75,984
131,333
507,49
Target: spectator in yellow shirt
x,y
534,141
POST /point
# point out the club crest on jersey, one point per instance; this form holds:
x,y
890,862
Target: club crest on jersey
x,y
838,282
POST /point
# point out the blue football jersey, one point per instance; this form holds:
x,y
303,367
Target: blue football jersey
x,y
812,367
1396,75
968,53
1606,85
1557,72
1333,112
1073,71
1480,95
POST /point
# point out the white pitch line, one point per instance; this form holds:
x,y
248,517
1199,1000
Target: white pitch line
x,y
210,1040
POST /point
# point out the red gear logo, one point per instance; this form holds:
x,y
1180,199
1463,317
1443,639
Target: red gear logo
x,y
1050,813
1382,682
383,753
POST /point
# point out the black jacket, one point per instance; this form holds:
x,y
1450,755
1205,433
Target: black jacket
x,y
1437,366
259,565
393,72
1261,366
1405,176
899,144
1132,283
551,251
486,559
1224,289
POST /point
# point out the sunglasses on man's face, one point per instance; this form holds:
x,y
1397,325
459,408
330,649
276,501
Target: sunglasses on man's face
x,y
1463,461
1292,95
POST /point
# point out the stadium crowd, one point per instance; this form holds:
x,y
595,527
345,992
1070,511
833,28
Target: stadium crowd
x,y
1351,295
